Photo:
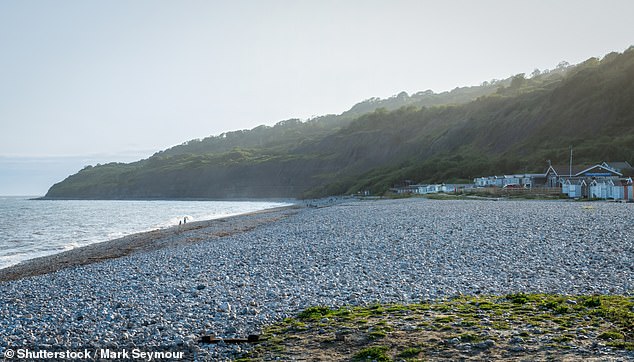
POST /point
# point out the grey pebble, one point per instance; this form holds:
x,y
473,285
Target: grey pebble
x,y
356,252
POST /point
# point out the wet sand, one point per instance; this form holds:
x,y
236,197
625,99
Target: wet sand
x,y
151,240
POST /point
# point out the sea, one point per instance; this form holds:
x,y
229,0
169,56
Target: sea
x,y
33,228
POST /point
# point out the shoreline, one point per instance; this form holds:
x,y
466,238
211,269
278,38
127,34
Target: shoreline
x,y
145,241
234,284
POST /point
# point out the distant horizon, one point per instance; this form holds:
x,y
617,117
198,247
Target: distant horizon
x,y
21,196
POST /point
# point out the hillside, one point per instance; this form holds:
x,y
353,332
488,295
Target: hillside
x,y
513,125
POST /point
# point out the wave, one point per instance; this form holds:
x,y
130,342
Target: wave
x,y
40,228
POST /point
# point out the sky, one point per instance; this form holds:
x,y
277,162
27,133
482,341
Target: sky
x,y
94,81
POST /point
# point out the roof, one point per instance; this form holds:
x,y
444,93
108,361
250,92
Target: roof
x,y
564,170
577,170
605,168
620,165
524,175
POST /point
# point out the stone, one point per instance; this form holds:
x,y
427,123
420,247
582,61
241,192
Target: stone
x,y
516,348
516,340
485,344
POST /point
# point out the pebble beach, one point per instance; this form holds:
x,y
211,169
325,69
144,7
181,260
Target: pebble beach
x,y
230,278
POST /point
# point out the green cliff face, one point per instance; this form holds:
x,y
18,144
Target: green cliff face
x,y
508,126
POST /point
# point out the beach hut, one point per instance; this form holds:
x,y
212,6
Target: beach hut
x,y
603,189
573,190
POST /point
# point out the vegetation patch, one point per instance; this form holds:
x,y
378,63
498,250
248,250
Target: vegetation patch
x,y
410,352
314,313
510,327
376,353
611,335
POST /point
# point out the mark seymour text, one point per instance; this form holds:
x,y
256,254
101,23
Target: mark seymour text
x,y
138,354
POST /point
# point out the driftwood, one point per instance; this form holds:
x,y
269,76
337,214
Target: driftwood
x,y
252,338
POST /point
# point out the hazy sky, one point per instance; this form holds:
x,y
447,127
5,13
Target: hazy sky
x,y
119,80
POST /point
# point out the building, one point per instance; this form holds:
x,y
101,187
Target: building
x,y
577,181
527,180
421,189
609,189
603,180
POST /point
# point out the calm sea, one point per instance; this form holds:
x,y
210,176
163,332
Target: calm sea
x,y
33,228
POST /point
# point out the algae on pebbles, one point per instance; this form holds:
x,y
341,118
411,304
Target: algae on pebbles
x,y
535,325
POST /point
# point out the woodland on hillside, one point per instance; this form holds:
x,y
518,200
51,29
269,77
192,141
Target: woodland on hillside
x,y
509,126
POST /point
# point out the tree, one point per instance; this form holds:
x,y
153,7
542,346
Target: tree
x,y
563,65
518,81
